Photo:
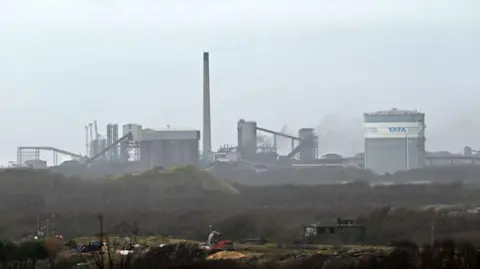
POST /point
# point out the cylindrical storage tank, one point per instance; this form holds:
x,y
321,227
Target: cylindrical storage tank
x,y
134,129
394,140
114,150
247,138
109,140
307,153
114,133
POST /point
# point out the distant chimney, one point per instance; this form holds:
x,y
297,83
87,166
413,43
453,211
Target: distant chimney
x,y
207,128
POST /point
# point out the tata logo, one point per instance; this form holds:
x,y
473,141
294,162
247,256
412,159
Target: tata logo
x,y
403,129
397,129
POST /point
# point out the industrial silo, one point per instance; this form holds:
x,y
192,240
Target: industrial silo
x,y
309,152
247,138
394,140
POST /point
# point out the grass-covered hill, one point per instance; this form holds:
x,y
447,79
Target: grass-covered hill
x,y
146,197
177,180
184,201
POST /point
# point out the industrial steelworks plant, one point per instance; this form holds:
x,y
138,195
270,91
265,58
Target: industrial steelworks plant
x,y
394,141
143,148
304,147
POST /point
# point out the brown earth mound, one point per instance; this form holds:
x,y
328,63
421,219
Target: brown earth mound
x,y
226,255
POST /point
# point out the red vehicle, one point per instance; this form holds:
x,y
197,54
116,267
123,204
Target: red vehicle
x,y
213,246
223,245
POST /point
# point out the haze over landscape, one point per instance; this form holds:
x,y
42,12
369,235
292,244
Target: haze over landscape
x,y
298,63
280,85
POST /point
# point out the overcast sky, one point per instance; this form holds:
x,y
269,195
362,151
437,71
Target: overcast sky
x,y
302,63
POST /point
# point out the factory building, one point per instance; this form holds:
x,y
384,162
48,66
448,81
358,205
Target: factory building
x,y
169,147
394,140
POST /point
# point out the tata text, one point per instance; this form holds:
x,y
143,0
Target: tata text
x,y
403,129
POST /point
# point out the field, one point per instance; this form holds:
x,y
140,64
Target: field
x,y
184,202
251,254
402,255
242,247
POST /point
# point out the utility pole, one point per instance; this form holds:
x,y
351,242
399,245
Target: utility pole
x,y
38,226
432,235
47,224
53,224
100,218
421,136
407,153
365,157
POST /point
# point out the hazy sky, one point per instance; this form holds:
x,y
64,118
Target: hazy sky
x,y
303,63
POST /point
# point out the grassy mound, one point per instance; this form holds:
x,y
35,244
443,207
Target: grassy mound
x,y
182,180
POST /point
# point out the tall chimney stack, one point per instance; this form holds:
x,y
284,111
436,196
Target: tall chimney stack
x,y
207,128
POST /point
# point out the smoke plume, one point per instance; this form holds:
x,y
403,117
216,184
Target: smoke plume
x,y
340,134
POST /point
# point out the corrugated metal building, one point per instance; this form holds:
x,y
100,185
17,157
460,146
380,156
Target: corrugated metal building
x,y
169,147
394,140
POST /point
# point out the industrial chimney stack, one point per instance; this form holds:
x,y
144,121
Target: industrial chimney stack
x,y
207,128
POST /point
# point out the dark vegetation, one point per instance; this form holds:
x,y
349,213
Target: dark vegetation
x,y
405,255
184,202
27,254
